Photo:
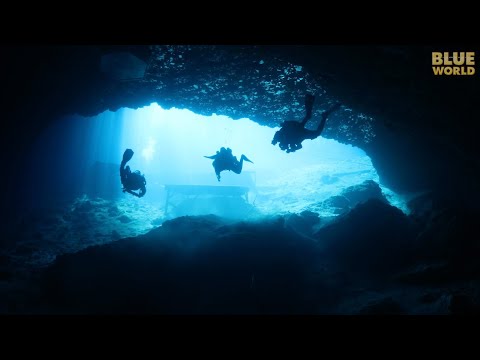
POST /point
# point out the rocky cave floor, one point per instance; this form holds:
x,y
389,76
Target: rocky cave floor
x,y
99,256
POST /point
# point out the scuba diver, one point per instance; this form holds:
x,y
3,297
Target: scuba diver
x,y
292,133
224,160
131,180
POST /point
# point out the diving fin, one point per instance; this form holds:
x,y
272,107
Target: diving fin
x,y
246,159
127,155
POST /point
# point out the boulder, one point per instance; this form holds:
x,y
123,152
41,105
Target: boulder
x,y
374,237
304,222
357,194
352,196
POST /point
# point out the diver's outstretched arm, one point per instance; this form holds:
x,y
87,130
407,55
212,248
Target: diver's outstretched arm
x,y
211,157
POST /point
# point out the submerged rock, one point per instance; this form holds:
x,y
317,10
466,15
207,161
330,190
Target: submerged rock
x,y
304,222
352,196
429,297
188,265
374,237
361,193
421,205
5,275
158,221
339,204
463,304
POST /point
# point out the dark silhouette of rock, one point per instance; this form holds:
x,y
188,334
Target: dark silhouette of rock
x,y
463,304
189,265
339,203
352,196
429,297
115,235
5,275
386,306
158,221
357,194
374,237
304,222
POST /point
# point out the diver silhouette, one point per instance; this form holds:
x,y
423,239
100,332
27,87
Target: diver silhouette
x,y
224,160
131,180
292,132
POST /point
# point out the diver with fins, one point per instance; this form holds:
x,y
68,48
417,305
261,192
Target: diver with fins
x,y
224,160
292,133
131,181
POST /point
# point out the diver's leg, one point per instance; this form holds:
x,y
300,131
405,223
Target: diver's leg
x,y
217,172
309,99
216,166
127,156
316,133
133,193
238,165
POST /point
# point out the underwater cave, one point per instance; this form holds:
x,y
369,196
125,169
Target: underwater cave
x,y
371,217
326,178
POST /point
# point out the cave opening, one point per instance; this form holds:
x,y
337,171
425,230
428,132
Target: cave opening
x,y
75,164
